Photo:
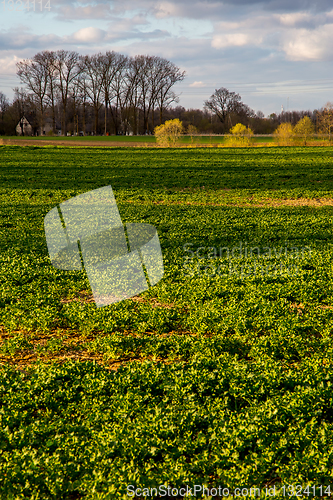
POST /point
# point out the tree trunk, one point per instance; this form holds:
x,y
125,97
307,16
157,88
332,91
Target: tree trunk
x,y
53,108
135,120
105,116
64,130
96,119
74,118
53,115
53,119
84,116
41,118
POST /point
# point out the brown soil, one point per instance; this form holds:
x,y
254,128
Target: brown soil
x,y
74,345
300,202
101,143
111,144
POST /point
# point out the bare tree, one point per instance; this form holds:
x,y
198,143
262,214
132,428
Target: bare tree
x,y
4,105
223,102
129,87
156,82
170,74
82,93
133,76
144,83
49,58
154,77
114,67
66,65
20,105
34,73
77,100
92,67
325,118
24,106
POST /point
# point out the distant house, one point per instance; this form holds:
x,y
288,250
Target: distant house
x,y
48,127
24,127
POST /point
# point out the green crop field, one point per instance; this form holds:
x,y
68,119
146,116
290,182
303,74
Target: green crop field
x,y
219,376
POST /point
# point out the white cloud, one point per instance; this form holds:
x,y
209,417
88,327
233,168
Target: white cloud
x,y
8,64
309,45
197,84
166,9
293,18
163,9
300,36
22,38
230,40
71,13
89,35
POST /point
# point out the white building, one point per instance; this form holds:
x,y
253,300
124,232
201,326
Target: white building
x,y
24,127
28,129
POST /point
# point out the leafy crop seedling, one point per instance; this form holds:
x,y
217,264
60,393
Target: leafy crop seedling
x,y
219,375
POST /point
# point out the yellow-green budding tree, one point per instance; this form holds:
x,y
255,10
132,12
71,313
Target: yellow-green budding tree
x,y
241,136
304,129
191,131
284,134
167,135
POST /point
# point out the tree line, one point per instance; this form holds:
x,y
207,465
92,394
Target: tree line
x,y
110,93
70,88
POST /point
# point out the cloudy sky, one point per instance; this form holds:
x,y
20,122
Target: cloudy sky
x,y
272,52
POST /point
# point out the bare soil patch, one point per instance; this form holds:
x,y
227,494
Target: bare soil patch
x,y
101,143
300,202
269,202
107,143
74,346
85,297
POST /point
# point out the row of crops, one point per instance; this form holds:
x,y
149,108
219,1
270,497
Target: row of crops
x,y
218,376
